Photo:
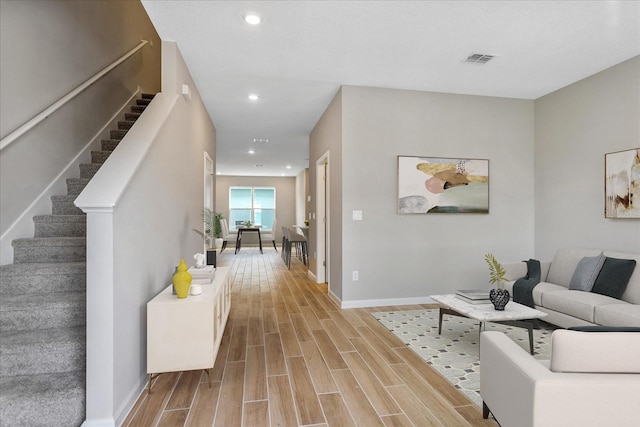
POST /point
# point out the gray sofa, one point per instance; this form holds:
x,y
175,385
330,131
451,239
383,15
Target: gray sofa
x,y
566,307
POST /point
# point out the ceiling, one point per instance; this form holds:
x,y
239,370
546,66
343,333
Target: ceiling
x,y
297,58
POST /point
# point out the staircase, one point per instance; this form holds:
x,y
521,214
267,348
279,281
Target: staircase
x,y
43,308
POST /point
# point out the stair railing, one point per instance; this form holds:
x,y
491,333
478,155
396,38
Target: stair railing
x,y
13,136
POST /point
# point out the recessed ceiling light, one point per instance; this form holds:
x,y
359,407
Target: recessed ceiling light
x,y
253,97
288,166
252,19
252,151
282,174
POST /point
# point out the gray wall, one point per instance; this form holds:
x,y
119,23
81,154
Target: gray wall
x,y
47,48
285,199
574,128
326,137
404,258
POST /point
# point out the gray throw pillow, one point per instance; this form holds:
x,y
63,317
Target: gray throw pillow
x,y
586,273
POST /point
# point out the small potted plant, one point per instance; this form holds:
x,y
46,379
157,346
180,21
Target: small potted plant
x,y
499,296
212,233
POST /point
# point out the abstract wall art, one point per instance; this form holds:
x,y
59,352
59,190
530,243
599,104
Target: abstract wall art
x,y
622,184
442,185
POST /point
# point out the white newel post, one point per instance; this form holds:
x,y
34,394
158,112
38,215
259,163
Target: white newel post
x,y
100,317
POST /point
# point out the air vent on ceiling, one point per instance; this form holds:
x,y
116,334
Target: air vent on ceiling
x,y
260,140
478,58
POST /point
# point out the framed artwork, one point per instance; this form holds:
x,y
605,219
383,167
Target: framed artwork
x,y
442,185
622,184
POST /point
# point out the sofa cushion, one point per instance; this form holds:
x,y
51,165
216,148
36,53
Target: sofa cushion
x,y
538,290
614,277
565,262
618,315
576,303
574,351
632,293
586,273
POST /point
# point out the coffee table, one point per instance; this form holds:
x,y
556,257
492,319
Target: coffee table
x,y
514,314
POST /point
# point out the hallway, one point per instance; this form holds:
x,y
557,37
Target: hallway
x,y
291,357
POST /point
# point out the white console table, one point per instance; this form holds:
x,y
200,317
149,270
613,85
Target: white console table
x,y
185,334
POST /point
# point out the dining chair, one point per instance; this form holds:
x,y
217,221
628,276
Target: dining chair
x,y
272,235
283,251
226,236
299,242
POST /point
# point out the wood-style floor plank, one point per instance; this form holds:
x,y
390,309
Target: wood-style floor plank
x,y
291,357
336,411
231,396
281,407
255,382
256,414
304,395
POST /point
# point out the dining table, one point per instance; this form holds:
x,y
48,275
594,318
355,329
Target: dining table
x,y
244,229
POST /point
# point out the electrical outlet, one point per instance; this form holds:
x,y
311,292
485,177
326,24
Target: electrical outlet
x,y
355,275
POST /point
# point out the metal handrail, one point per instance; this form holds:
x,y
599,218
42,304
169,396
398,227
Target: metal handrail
x,y
13,136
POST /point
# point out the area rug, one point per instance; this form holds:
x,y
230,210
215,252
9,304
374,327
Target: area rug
x,y
454,354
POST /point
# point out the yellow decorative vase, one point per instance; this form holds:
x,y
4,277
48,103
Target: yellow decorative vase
x,y
182,280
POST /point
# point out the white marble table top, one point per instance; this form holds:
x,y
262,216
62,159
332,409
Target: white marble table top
x,y
486,312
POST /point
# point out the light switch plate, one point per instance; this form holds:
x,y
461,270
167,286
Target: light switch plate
x,y
357,215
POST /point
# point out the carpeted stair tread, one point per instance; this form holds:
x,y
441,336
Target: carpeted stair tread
x,y
34,278
63,205
138,108
117,134
100,156
131,116
60,225
88,170
43,311
148,95
125,124
43,400
42,351
49,249
143,101
109,144
76,185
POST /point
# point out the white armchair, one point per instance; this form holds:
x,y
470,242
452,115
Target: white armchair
x,y
592,379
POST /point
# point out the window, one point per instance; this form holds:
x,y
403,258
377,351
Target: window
x,y
255,204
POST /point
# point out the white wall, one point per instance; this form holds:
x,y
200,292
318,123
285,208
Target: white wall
x,y
154,184
47,48
404,258
285,200
574,128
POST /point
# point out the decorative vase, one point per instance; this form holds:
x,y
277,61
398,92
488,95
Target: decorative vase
x,y
499,298
211,257
182,280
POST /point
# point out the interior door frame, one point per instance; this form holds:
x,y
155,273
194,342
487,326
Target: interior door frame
x,y
321,216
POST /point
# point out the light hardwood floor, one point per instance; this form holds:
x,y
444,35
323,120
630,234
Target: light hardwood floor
x,y
291,357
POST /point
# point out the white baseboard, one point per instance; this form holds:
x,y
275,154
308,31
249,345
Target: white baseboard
x,y
384,302
103,422
23,226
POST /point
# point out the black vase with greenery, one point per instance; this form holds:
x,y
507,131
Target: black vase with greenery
x,y
499,296
212,230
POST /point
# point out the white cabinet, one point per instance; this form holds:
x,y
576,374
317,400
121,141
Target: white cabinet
x,y
185,334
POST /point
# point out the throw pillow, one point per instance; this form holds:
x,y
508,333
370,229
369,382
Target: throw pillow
x,y
586,273
614,276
